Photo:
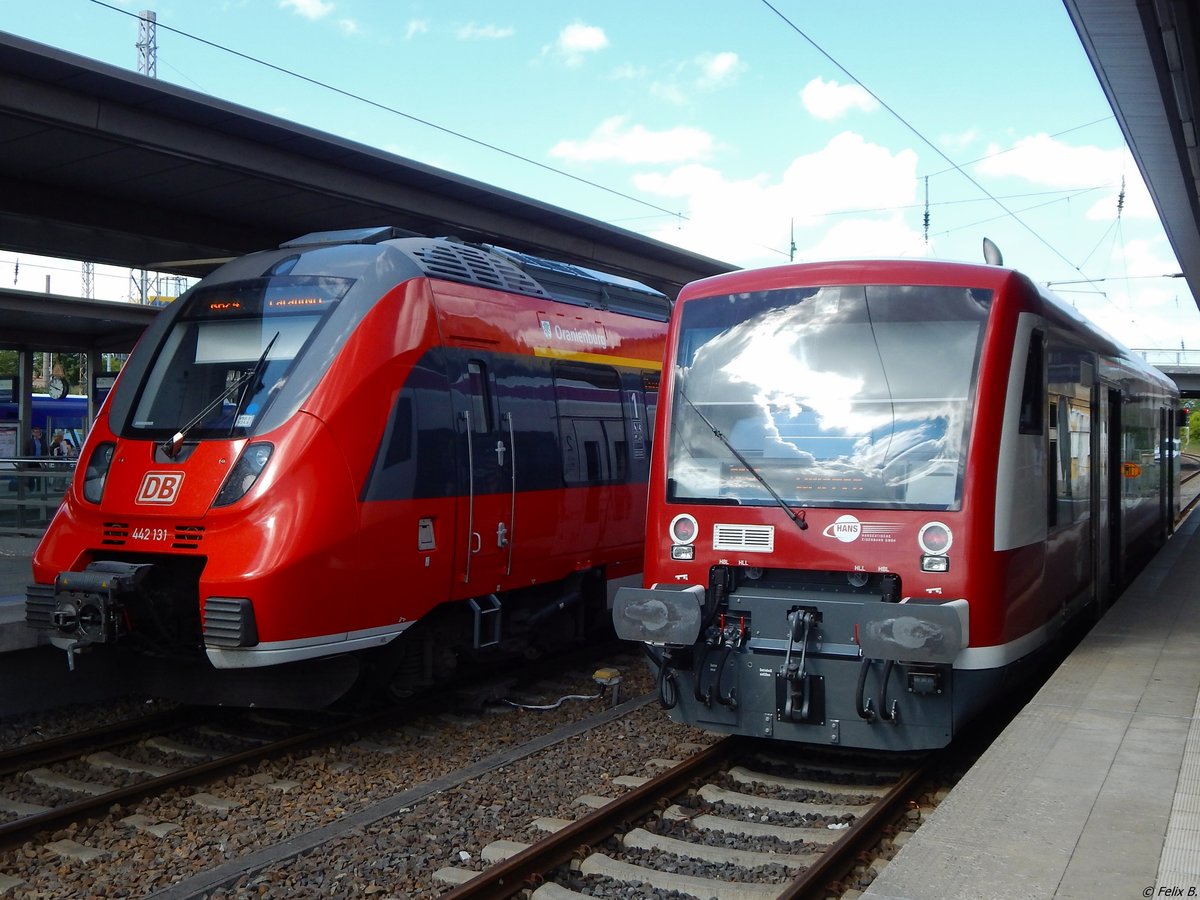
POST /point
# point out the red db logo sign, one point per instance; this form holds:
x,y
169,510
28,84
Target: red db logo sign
x,y
160,488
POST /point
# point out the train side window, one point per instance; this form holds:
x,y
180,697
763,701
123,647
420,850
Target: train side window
x,y
1070,457
1033,392
592,423
481,396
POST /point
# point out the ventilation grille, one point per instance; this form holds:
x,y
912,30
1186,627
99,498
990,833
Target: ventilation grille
x,y
115,534
229,622
40,604
187,537
748,538
464,263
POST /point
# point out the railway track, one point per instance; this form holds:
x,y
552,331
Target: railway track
x,y
50,784
727,822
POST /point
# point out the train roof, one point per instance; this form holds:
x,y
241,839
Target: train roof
x,y
498,268
849,271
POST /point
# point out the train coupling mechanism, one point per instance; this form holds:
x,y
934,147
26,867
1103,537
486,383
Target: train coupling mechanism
x,y
85,607
799,694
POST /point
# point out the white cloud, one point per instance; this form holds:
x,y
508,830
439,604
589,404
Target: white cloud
x,y
830,100
348,27
577,40
415,27
310,9
748,221
889,236
1047,161
706,72
473,32
719,69
614,140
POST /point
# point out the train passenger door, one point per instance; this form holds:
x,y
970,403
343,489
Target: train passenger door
x,y
1113,458
487,498
1102,592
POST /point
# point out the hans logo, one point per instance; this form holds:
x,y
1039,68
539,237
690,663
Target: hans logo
x,y
846,529
159,488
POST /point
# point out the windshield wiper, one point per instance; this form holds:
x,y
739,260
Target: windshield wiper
x,y
171,446
798,518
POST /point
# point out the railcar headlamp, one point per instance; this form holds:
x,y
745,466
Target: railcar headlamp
x,y
97,471
935,539
683,529
244,473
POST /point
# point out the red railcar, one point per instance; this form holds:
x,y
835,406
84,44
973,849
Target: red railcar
x,y
879,489
320,447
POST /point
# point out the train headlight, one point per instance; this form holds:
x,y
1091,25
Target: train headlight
x,y
683,529
97,471
245,472
935,539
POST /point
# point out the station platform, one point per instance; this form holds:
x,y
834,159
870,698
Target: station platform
x,y
15,572
1093,790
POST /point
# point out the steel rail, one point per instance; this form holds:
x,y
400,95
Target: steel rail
x,y
525,869
863,834
20,756
18,830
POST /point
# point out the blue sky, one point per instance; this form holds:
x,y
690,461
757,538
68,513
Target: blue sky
x,y
730,127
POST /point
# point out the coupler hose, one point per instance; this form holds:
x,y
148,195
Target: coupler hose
x,y
729,699
668,691
864,709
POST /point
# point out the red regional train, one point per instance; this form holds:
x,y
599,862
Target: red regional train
x,y
880,489
362,455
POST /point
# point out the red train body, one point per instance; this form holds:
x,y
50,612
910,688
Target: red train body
x,y
879,491
319,447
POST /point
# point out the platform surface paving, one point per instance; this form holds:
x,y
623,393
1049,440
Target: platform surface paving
x,y
1093,791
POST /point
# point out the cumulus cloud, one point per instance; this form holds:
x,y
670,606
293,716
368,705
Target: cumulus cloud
x,y
1046,161
474,32
830,100
415,27
748,221
718,69
705,72
310,9
577,40
615,140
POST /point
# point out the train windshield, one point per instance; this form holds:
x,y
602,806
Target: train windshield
x,y
848,396
230,352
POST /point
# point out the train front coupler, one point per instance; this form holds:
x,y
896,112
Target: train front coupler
x,y
85,608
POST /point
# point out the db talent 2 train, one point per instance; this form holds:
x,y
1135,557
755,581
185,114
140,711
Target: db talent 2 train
x,y
880,489
365,455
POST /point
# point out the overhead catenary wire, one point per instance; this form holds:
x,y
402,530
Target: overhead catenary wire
x,y
316,82
918,134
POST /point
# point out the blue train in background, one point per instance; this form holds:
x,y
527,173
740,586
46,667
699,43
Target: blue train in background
x,y
67,415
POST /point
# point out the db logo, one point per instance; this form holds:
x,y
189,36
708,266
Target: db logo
x,y
160,488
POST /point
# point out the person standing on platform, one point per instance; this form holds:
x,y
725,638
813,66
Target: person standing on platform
x,y
35,449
